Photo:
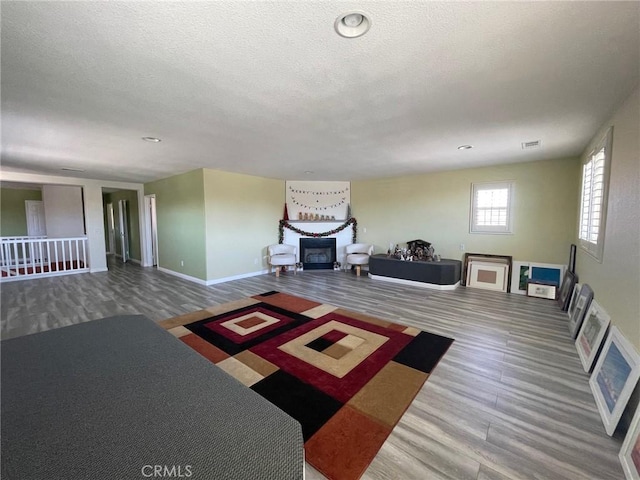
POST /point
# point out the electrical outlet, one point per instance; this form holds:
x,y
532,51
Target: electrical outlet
x,y
255,261
364,230
462,247
182,263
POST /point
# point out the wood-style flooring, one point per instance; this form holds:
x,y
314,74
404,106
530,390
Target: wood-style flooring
x,y
509,400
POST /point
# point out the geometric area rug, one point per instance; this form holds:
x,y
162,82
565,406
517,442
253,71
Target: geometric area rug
x,y
345,376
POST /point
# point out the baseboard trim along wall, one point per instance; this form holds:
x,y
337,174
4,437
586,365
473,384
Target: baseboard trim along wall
x,y
236,277
214,281
402,281
199,281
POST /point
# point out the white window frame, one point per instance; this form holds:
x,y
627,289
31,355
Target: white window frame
x,y
594,193
491,229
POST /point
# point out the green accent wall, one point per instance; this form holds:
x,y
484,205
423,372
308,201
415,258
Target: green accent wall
x,y
242,214
134,221
13,215
180,212
435,207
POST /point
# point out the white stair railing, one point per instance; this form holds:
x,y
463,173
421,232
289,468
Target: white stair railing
x,y
28,257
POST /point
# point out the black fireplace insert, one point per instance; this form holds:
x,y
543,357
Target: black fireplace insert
x,y
317,253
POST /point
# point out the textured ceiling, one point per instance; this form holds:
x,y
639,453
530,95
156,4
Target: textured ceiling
x,y
269,88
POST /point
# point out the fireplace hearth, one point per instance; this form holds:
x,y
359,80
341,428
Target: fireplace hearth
x,y
317,253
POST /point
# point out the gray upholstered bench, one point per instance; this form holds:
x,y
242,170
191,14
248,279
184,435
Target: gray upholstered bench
x,y
442,275
121,398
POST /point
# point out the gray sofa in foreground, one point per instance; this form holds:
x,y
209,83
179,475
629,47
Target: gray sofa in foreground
x,y
120,398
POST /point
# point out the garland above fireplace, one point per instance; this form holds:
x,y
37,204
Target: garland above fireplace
x,y
286,224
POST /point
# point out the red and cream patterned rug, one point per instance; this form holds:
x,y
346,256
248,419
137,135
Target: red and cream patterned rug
x,y
346,377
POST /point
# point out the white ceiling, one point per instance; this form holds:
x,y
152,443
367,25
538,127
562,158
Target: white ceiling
x,y
269,88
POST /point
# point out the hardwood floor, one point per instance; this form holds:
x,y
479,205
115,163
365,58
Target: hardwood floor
x,y
509,400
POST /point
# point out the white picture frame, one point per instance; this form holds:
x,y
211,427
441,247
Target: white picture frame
x,y
591,334
517,281
556,268
541,290
630,451
515,277
614,377
488,275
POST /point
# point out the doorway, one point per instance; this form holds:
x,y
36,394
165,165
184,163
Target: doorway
x,y
123,210
111,229
36,226
151,227
122,227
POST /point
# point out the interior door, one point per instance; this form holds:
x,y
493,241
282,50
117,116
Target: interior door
x,y
123,207
153,234
36,226
111,228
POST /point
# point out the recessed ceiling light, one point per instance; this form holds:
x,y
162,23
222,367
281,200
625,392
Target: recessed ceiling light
x,y
151,139
352,24
308,172
465,147
71,169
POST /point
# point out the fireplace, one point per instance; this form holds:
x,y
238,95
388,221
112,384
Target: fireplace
x,y
317,253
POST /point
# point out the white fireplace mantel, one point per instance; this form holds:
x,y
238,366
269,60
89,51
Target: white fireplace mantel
x,y
343,237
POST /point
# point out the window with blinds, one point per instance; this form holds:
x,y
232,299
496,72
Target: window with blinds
x,y
593,198
491,207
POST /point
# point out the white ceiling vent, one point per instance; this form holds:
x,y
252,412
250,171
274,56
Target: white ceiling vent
x,y
528,145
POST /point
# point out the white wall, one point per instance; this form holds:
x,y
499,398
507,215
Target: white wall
x,y
317,198
616,280
63,211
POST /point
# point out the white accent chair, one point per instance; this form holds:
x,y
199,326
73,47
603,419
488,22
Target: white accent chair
x,y
357,254
282,255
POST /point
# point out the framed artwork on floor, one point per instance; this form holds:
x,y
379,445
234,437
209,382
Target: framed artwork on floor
x,y
488,276
468,276
614,377
541,290
630,451
582,305
566,288
574,299
547,272
572,258
594,327
519,277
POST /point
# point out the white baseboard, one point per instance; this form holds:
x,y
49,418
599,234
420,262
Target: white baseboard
x,y
214,281
98,270
199,281
236,277
402,281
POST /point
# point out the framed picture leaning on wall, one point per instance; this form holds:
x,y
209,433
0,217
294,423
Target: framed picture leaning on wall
x,y
614,377
593,330
630,451
542,290
566,288
574,299
582,305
